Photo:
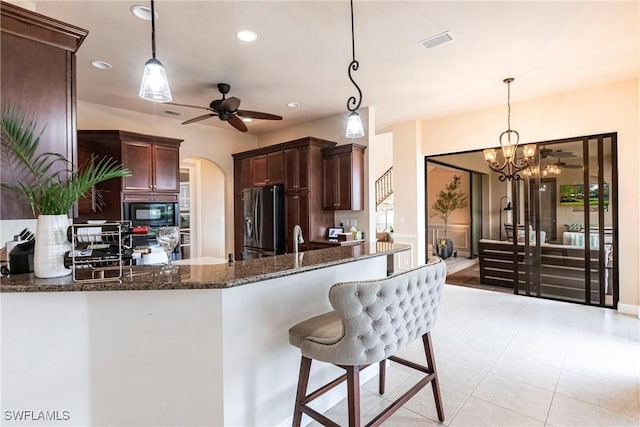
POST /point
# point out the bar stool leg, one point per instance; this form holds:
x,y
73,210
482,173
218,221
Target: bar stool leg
x,y
381,378
303,380
353,395
431,364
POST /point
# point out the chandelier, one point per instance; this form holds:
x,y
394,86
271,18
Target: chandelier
x,y
354,124
513,162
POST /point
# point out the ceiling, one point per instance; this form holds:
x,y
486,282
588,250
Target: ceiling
x,y
304,48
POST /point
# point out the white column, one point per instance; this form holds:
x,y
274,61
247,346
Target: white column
x,y
409,192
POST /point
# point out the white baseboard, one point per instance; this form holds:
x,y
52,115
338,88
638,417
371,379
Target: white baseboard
x,y
631,309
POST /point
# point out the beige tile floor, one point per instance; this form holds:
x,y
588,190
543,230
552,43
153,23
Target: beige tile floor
x,y
506,360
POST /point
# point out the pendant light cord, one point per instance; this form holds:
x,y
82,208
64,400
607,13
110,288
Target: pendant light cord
x,y
153,31
353,66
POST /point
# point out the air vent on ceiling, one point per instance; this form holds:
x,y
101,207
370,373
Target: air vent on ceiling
x,y
437,40
172,113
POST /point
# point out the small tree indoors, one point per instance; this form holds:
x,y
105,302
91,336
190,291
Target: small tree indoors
x,y
447,201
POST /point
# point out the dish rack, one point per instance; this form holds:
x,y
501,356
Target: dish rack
x,y
100,251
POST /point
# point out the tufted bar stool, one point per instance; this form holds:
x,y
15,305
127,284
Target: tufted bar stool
x,y
372,320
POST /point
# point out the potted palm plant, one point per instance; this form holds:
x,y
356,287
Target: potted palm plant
x,y
51,185
447,201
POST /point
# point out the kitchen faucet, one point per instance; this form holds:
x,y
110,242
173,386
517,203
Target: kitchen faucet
x,y
297,238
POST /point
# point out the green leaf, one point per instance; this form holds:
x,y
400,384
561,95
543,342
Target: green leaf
x,y
48,181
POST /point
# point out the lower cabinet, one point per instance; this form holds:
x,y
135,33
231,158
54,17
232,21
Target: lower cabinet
x,y
297,213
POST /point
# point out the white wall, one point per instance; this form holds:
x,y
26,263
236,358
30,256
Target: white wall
x,y
609,108
208,142
212,210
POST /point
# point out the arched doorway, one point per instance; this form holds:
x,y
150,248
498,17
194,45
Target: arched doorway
x,y
202,208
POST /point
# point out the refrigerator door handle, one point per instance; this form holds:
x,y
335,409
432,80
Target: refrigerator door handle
x,y
256,217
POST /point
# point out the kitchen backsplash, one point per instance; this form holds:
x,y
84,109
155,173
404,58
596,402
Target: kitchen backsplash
x,y
11,227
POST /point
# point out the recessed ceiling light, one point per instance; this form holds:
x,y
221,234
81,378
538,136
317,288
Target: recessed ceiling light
x,y
142,12
247,120
437,40
172,112
246,36
102,65
293,104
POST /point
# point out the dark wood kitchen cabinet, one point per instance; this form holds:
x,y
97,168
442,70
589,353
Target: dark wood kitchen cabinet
x,y
154,162
154,167
298,165
38,76
267,169
343,172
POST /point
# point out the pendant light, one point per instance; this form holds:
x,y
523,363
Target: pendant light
x,y
512,162
154,86
354,124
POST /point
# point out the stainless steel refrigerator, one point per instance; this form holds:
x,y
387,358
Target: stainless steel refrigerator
x,y
263,221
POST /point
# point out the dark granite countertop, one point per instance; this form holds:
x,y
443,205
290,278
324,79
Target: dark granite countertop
x,y
208,276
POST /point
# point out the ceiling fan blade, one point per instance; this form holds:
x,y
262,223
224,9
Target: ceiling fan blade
x,y
258,115
237,123
197,119
187,105
230,104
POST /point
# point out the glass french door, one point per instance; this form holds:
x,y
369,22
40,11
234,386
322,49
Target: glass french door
x,y
567,216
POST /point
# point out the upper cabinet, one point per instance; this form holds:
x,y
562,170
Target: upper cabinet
x,y
154,162
343,177
37,75
296,167
154,167
267,169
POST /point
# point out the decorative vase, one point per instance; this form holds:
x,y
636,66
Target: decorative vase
x,y
446,250
51,244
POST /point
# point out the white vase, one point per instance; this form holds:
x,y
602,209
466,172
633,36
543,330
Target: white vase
x,y
51,244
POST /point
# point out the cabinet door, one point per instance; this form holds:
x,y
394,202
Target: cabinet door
x,y
331,175
275,168
242,174
297,213
259,174
86,203
166,165
137,156
343,182
296,169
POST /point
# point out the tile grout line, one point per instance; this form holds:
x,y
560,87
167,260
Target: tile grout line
x,y
487,372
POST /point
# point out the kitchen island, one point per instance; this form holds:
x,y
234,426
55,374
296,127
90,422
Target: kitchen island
x,y
207,345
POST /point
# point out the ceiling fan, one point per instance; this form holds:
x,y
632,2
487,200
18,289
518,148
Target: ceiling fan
x,y
226,109
564,165
548,152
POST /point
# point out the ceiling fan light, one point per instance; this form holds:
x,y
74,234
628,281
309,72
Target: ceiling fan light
x,y
154,86
354,126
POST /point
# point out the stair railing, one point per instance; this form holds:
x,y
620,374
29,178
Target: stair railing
x,y
384,186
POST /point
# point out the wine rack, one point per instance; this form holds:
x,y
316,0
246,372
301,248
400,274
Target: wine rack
x,y
98,251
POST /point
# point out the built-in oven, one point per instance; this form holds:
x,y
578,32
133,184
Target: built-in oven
x,y
154,215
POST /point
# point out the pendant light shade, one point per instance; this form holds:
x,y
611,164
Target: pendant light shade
x,y
354,126
155,85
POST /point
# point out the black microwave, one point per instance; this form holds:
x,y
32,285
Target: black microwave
x,y
153,214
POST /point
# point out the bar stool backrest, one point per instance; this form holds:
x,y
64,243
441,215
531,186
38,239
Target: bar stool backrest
x,y
382,316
